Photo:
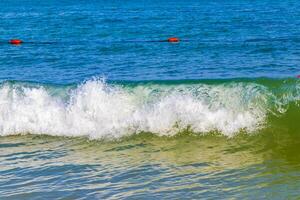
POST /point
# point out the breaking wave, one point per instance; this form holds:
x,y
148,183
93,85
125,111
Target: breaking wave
x,y
96,109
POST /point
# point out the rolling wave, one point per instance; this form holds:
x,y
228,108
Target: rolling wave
x,y
96,109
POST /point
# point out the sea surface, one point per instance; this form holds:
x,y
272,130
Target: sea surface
x,y
95,104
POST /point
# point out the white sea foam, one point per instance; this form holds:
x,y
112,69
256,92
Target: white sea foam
x,y
97,110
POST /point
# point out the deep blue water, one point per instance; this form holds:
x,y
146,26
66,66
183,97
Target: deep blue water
x,y
103,38
94,106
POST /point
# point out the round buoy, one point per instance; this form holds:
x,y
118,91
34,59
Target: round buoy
x,y
298,76
15,41
173,39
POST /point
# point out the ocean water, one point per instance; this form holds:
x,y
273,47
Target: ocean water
x,y
94,106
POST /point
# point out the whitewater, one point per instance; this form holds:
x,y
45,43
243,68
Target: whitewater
x,y
100,110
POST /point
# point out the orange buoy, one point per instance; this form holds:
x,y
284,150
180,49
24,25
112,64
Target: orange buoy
x,y
15,41
173,39
298,76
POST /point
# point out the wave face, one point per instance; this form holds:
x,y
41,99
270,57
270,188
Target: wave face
x,y
97,110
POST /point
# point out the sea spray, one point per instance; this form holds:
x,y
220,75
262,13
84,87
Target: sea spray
x,y
96,109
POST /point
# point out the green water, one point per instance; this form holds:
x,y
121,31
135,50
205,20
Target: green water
x,y
260,166
229,139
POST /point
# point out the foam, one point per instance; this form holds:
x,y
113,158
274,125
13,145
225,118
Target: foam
x,y
97,110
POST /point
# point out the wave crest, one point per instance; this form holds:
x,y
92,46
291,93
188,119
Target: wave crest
x,y
98,110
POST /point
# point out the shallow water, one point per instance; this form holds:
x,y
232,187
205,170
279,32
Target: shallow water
x,y
148,166
93,106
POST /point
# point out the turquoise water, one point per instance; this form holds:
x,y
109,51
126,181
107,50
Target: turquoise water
x,y
94,106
